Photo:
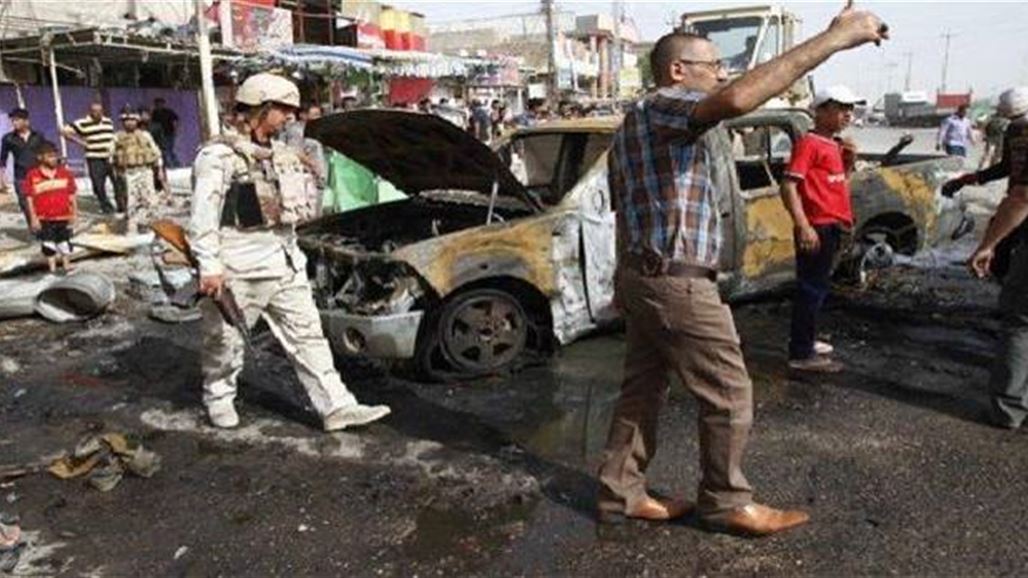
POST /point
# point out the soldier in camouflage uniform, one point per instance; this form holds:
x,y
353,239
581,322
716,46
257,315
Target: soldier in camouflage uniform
x,y
136,157
250,192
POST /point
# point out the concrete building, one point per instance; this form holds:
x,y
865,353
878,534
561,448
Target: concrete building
x,y
585,58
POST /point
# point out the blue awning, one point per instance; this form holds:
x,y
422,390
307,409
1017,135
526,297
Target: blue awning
x,y
316,54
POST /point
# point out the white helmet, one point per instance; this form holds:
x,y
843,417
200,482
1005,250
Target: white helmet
x,y
1013,103
263,88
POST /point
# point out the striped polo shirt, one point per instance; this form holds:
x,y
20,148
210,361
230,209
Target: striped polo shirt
x,y
98,134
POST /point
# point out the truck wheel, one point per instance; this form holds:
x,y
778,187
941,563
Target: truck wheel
x,y
482,331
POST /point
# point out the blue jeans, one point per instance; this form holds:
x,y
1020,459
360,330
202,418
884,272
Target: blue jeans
x,y
167,146
813,283
956,150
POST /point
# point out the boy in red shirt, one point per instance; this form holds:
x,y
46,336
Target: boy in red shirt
x,y
817,195
52,207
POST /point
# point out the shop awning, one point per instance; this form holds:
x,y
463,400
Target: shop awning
x,y
321,55
107,46
428,64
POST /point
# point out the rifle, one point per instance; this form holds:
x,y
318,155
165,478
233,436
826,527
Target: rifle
x,y
175,236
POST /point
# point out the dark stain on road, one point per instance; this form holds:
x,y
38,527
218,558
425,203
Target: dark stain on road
x,y
495,476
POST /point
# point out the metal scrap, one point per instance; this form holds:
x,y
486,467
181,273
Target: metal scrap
x,y
104,459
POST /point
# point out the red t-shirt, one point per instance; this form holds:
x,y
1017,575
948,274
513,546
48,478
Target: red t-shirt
x,y
823,184
51,195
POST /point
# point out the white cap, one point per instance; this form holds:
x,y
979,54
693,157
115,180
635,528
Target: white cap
x,y
839,93
1013,103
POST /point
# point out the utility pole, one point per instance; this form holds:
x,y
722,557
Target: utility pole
x,y
616,57
58,106
910,65
208,100
889,67
945,60
551,41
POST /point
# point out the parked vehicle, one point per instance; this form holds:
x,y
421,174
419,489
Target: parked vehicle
x,y
748,36
478,265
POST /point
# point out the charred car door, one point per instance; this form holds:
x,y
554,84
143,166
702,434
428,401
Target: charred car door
x,y
764,249
565,171
598,248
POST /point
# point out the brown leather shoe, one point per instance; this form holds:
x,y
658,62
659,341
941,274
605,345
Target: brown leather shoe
x,y
651,510
758,520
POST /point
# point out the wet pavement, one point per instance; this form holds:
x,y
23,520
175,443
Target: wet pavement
x,y
495,476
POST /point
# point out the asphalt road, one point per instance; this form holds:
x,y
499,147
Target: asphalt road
x,y
494,477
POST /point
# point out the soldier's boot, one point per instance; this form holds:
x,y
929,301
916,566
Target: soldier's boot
x,y
223,414
354,415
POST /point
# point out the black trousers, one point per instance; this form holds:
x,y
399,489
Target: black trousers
x,y
813,283
99,170
19,191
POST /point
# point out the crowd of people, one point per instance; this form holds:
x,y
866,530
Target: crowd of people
x,y
133,159
488,120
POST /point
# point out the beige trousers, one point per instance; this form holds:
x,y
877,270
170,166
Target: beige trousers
x,y
288,307
678,325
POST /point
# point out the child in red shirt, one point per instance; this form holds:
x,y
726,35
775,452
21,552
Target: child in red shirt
x,y
816,193
50,192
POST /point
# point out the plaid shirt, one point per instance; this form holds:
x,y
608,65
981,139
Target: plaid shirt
x,y
665,178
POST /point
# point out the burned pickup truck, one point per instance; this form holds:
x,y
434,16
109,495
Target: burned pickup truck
x,y
479,265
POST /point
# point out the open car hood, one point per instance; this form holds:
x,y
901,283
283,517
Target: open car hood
x,y
417,152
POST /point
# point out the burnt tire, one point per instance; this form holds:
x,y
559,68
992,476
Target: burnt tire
x,y
478,332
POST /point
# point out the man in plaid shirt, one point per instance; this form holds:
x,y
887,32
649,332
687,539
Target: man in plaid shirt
x,y
670,165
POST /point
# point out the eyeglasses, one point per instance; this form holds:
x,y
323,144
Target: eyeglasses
x,y
715,65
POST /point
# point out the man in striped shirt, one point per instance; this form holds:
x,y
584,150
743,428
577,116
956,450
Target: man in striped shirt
x,y
95,132
670,167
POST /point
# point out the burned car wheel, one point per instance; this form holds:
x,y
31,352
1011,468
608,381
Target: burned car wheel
x,y
482,331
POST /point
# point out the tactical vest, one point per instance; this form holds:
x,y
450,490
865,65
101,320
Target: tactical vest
x,y
269,187
133,149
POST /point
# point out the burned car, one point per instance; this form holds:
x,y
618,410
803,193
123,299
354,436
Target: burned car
x,y
479,265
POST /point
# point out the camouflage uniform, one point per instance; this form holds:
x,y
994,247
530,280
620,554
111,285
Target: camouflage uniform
x,y
247,200
135,157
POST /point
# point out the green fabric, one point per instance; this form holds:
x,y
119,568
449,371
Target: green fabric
x,y
351,185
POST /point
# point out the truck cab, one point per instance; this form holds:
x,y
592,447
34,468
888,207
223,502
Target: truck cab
x,y
750,36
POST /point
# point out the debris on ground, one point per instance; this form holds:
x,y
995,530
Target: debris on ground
x,y
11,471
153,286
17,258
175,314
104,459
9,366
11,542
77,297
160,288
18,297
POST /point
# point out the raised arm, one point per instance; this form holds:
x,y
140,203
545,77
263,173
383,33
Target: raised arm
x,y
848,30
